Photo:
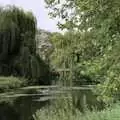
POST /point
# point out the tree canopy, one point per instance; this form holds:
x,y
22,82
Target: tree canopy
x,y
97,25
18,46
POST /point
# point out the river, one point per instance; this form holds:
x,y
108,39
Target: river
x,y
22,103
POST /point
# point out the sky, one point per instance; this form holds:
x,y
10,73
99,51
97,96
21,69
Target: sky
x,y
38,9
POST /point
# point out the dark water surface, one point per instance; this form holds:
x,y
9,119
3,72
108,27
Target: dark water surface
x,y
23,103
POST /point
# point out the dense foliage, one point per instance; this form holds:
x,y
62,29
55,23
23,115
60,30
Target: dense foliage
x,y
75,52
98,27
17,46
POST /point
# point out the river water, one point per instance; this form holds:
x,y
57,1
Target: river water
x,y
23,103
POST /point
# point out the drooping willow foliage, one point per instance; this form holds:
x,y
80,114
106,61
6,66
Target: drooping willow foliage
x,y
17,45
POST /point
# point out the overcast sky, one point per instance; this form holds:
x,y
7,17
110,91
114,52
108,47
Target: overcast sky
x,y
38,8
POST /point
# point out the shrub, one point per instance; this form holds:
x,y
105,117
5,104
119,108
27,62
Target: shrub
x,y
7,83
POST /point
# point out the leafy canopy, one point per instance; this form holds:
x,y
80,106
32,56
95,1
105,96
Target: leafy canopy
x,y
99,28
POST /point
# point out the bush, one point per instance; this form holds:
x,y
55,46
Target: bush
x,y
7,83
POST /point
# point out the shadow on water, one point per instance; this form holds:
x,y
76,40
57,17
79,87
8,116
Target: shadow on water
x,y
27,107
20,108
26,103
8,112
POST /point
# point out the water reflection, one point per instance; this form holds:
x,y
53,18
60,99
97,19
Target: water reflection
x,y
8,112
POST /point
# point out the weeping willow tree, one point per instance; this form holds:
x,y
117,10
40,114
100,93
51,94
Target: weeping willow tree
x,y
17,45
63,58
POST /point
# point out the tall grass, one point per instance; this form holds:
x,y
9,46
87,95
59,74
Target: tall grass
x,y
63,109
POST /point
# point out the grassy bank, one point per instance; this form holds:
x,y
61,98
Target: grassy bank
x,y
8,83
61,114
66,111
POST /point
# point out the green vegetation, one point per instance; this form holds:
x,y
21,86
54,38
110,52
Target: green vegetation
x,y
93,38
75,52
65,110
63,114
88,53
18,47
8,83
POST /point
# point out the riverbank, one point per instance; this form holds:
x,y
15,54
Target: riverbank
x,y
63,113
11,83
